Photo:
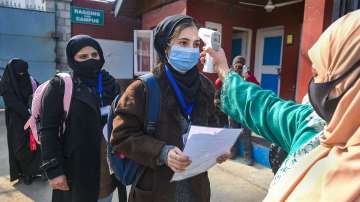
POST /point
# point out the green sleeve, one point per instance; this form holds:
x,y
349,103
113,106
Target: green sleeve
x,y
278,121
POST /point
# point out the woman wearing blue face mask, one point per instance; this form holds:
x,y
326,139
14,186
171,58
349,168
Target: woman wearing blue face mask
x,y
186,98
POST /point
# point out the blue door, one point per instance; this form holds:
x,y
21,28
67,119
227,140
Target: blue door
x,y
236,47
269,56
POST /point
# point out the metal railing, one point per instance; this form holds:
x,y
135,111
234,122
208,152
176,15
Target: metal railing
x,y
24,4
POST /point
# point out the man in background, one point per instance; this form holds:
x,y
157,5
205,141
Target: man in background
x,y
239,66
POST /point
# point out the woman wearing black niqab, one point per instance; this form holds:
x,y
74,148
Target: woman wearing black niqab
x,y
75,163
17,89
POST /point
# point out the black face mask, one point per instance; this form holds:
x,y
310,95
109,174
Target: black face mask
x,y
319,95
21,76
88,69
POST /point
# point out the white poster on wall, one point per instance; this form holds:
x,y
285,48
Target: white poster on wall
x,y
118,58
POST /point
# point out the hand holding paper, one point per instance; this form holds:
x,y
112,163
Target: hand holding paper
x,y
177,160
204,145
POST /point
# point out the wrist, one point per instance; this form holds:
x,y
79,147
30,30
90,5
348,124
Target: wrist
x,y
54,173
222,72
164,155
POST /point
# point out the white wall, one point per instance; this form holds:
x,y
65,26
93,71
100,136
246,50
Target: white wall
x,y
118,58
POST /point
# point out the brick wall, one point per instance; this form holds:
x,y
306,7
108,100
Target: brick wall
x,y
63,29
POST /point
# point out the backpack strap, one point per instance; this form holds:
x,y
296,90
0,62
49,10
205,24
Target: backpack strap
x,y
34,85
114,104
152,102
37,100
111,116
68,90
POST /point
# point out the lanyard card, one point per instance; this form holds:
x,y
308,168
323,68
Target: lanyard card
x,y
105,110
186,135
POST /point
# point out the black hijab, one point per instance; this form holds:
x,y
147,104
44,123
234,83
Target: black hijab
x,y
78,42
19,84
189,83
110,88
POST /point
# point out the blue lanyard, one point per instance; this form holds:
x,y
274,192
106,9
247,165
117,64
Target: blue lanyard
x,y
100,88
186,108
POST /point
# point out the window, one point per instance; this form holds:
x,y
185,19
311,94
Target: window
x,y
144,57
342,7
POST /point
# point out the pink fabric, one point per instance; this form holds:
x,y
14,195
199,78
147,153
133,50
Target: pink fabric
x,y
120,155
218,84
36,103
68,91
32,142
33,84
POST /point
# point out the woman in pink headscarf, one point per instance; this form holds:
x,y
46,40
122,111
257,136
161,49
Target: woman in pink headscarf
x,y
323,163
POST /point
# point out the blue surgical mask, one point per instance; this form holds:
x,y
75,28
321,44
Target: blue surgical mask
x,y
183,59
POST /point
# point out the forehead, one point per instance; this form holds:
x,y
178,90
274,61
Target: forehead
x,y
86,50
190,33
237,62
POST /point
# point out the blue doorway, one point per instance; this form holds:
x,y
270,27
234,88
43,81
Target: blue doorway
x,y
269,58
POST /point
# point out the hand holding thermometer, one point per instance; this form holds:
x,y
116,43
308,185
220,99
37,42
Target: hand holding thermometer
x,y
245,69
211,39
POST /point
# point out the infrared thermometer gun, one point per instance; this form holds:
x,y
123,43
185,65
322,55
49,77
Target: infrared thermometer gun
x,y
211,39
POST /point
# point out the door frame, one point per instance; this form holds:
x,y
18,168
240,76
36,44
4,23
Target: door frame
x,y
260,33
249,40
298,65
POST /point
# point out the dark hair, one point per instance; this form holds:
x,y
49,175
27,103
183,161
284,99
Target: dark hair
x,y
180,27
169,28
240,59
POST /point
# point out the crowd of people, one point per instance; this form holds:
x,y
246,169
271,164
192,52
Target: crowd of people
x,y
319,140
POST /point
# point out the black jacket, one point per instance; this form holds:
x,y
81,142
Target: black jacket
x,y
76,153
128,137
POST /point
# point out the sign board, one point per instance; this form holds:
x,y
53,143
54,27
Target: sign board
x,y
87,16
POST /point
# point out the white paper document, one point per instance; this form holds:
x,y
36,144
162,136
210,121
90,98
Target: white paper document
x,y
105,110
203,146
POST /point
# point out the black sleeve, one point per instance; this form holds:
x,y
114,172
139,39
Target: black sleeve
x,y
213,116
15,105
50,121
